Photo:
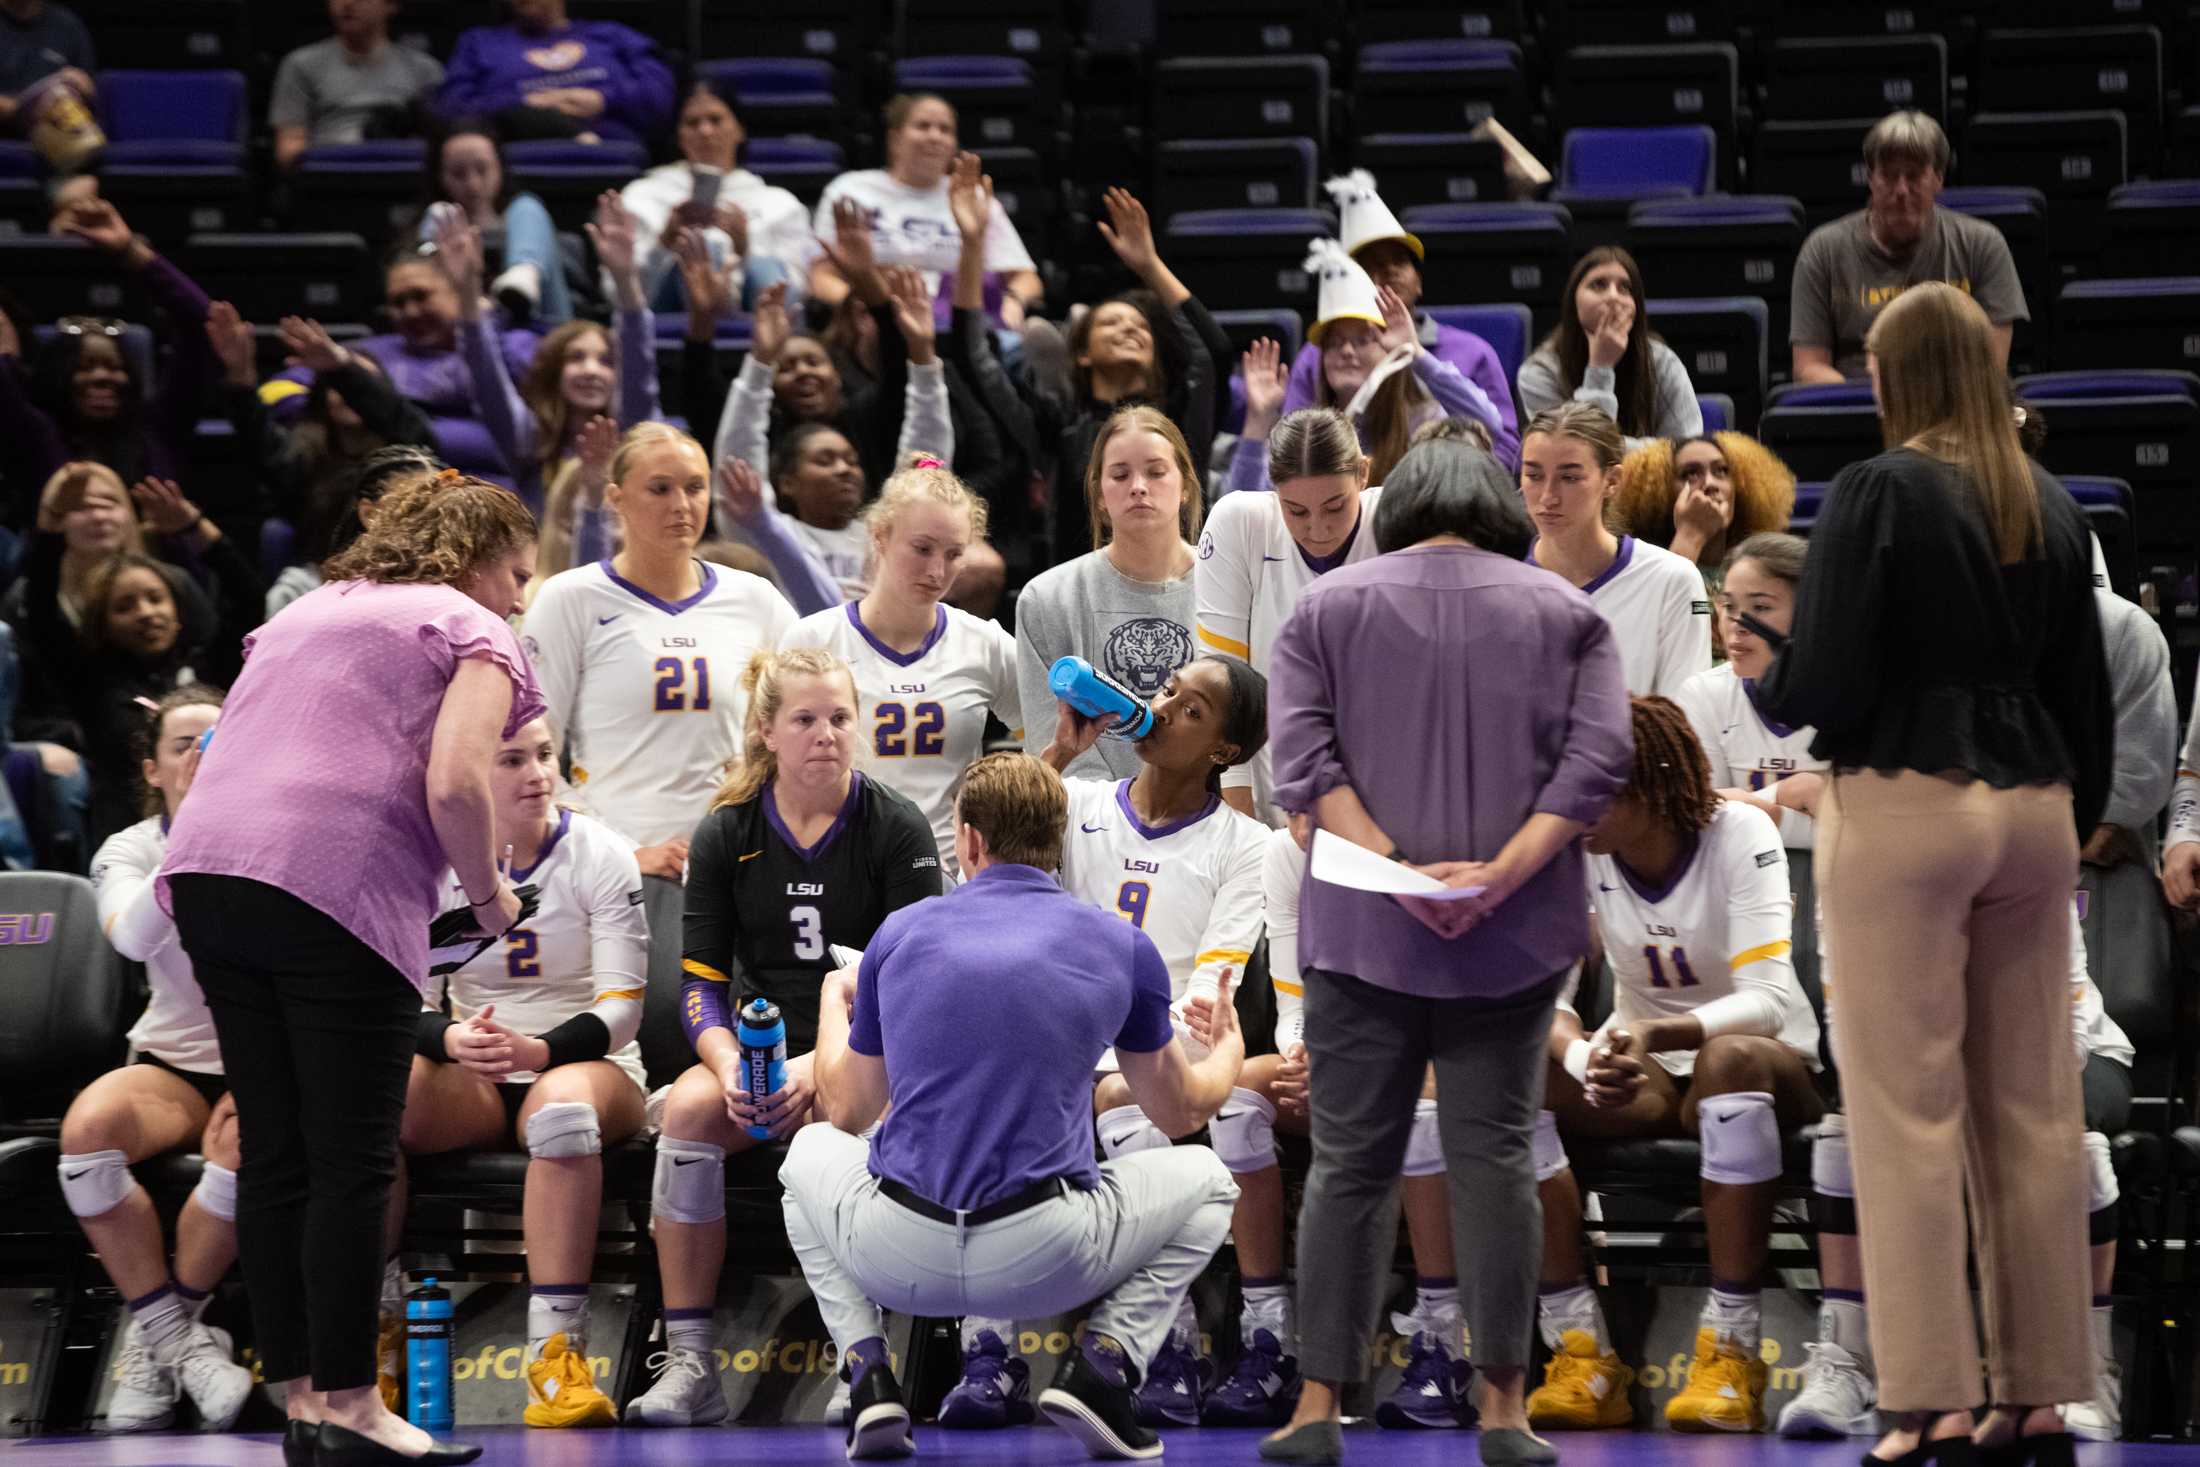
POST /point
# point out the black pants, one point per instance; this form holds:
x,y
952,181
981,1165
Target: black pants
x,y
316,1032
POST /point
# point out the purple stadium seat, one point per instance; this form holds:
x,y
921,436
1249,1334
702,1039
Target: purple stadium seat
x,y
778,94
1636,163
996,97
1717,411
1432,85
1259,173
1721,246
801,165
1417,20
1722,341
148,113
2139,426
1246,259
1416,168
1242,97
2107,324
359,188
2151,226
1508,328
1826,78
1510,251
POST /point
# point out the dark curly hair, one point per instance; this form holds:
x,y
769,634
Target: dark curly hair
x,y
1671,777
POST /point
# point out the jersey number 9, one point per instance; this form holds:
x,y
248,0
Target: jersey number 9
x,y
1685,976
902,730
673,675
1131,902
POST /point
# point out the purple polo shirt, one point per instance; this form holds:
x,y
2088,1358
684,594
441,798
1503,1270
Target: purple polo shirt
x,y
990,1006
1497,695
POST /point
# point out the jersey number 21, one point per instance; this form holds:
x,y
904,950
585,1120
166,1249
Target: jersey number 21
x,y
674,674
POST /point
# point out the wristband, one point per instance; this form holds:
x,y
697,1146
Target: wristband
x,y
492,896
428,1036
1576,1062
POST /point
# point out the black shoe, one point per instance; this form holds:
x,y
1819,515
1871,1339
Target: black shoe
x,y
339,1446
1099,1413
2045,1449
878,1421
298,1440
1949,1451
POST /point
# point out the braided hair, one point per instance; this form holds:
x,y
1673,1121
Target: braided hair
x,y
1671,776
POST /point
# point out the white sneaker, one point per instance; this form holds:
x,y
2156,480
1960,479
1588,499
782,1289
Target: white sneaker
x,y
836,1409
2102,1418
1836,1397
685,1393
145,1400
519,291
217,1385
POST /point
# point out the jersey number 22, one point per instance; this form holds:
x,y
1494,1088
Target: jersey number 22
x,y
903,730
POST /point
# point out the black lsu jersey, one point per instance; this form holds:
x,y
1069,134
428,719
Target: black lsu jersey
x,y
762,912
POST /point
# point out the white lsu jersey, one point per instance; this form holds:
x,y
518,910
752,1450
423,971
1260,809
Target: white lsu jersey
x,y
1193,887
926,710
586,949
175,1026
1247,578
648,693
1660,615
1713,942
1745,749
1282,873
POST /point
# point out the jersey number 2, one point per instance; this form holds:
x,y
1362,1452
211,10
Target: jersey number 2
x,y
902,730
673,695
519,954
1684,975
809,933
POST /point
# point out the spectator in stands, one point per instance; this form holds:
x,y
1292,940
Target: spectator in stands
x,y
758,229
905,205
88,505
332,522
169,1096
1373,368
1850,269
85,399
1602,352
1700,495
1373,237
548,76
1127,606
356,85
466,171
46,86
996,440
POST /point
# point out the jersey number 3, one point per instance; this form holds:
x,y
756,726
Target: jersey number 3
x,y
903,730
1684,976
809,933
673,675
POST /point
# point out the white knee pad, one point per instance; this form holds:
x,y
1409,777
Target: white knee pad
x,y
96,1182
1550,1151
2100,1174
564,1129
1244,1132
1740,1137
1829,1159
690,1185
1125,1129
216,1192
1424,1147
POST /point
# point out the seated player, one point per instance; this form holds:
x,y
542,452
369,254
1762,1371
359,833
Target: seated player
x,y
1721,1044
169,1095
799,852
539,1048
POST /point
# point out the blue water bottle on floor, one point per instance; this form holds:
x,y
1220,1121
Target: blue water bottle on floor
x,y
1093,693
763,1036
428,1331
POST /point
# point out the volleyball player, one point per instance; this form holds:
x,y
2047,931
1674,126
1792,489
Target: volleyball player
x,y
169,1094
1710,1035
640,656
1570,458
930,673
799,852
539,1049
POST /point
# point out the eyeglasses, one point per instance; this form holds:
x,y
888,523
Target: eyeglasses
x,y
89,326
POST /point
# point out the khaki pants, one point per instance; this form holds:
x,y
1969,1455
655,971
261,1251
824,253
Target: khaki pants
x,y
1947,904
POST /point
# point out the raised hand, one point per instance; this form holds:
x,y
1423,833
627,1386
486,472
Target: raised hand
x,y
1608,338
230,335
98,222
850,245
734,220
740,490
596,446
310,346
970,196
772,326
458,256
64,495
1129,232
163,508
1397,320
1265,380
611,235
710,290
912,310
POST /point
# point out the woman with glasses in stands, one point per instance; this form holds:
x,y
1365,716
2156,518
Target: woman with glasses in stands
x,y
1602,352
169,1095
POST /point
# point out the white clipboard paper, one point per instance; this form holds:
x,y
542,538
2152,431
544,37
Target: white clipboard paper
x,y
1342,863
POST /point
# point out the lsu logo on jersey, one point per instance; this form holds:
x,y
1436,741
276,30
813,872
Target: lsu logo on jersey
x,y
1141,653
1151,868
805,888
892,688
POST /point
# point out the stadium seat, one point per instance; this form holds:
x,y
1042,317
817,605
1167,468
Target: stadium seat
x,y
1246,327
1236,27
1629,22
268,276
1379,21
1820,430
1643,86
1509,329
1821,163
995,97
1246,259
2128,953
1027,196
1603,171
1210,173
569,176
55,276
2151,227
779,95
1721,246
1434,86
1519,252
147,113
174,33
2074,158
1722,341
1829,78
800,165
368,189
2079,68
2111,508
70,996
1432,167
23,201
1036,31
1248,97
2184,144
2139,426
2021,216
1717,411
839,31
2107,324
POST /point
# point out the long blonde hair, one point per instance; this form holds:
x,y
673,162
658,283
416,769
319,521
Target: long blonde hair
x,y
1942,388
1142,418
764,683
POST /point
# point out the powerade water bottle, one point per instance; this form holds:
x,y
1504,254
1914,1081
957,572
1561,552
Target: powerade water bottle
x,y
763,1036
1093,693
428,1334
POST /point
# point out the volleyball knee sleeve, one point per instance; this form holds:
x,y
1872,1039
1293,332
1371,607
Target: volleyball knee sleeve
x,y
563,1130
690,1185
96,1182
1550,1151
1126,1129
216,1192
1244,1132
1424,1146
1740,1138
1832,1185
2102,1193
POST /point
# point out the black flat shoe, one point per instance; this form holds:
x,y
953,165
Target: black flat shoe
x,y
2044,1449
340,1446
1949,1451
298,1441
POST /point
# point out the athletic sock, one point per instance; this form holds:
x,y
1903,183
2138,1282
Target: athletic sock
x,y
194,1300
1436,1309
864,1355
1734,1313
1561,1307
689,1329
2104,1328
163,1321
1268,1307
1842,1321
556,1308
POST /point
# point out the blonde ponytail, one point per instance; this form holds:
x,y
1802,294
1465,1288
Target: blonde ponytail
x,y
764,684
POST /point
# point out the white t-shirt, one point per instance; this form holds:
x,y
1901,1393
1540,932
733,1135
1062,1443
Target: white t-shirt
x,y
175,1026
1746,751
648,693
1248,576
926,710
1714,941
779,227
1660,615
914,226
586,949
1282,873
845,553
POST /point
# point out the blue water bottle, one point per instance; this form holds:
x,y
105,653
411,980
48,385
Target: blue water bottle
x,y
428,1331
763,1036
1093,693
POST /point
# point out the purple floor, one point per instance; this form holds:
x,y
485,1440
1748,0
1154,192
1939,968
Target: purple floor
x,y
1037,1446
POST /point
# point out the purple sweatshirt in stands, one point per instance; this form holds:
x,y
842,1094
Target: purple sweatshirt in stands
x,y
499,67
1475,358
